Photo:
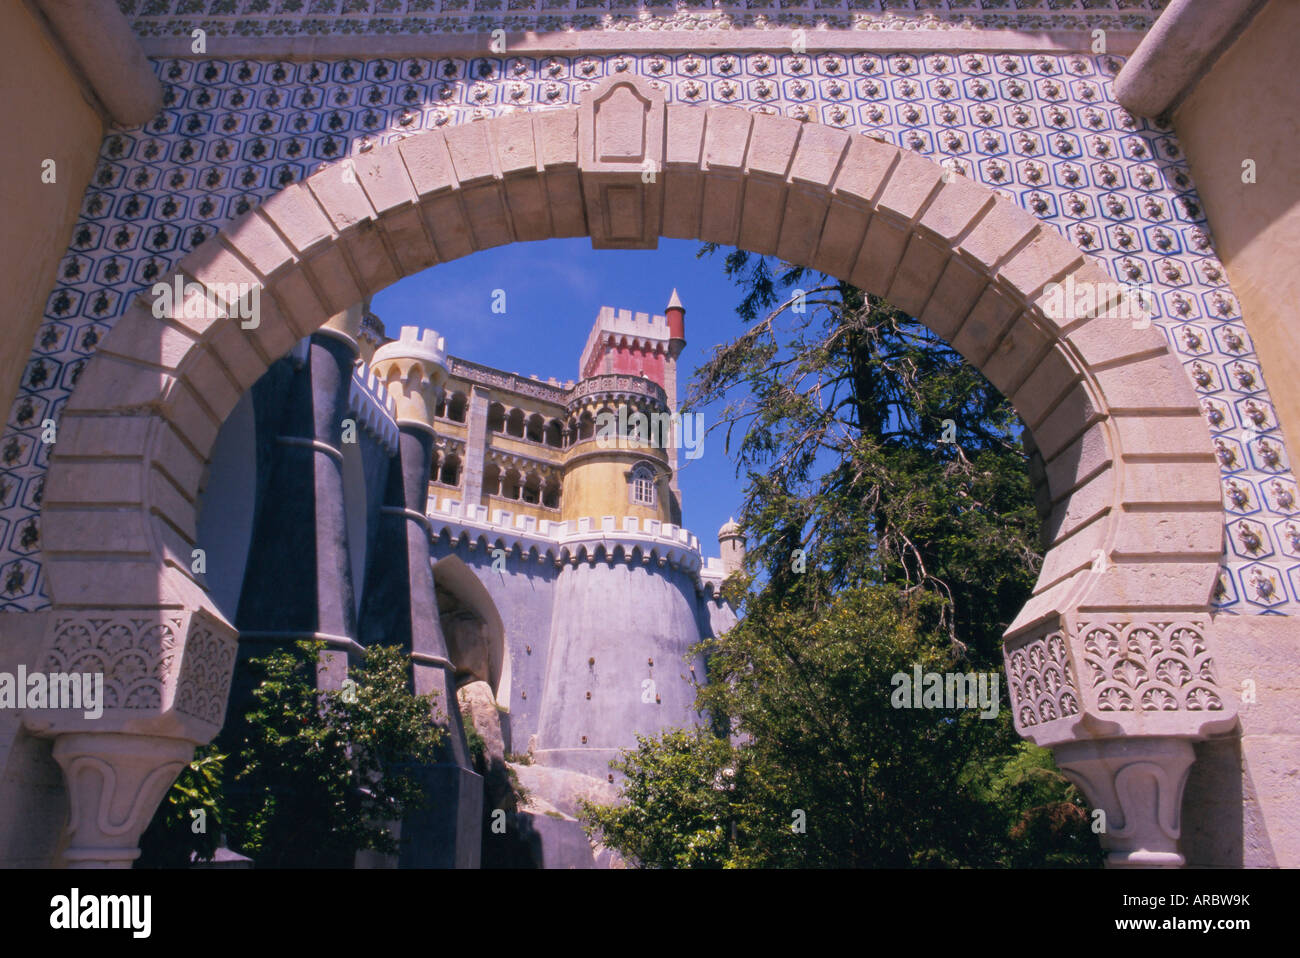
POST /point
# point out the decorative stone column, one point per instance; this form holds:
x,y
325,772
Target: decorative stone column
x,y
166,679
1119,698
298,582
400,606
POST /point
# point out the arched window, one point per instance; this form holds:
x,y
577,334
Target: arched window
x,y
643,485
510,484
456,407
449,474
532,489
535,428
515,423
551,495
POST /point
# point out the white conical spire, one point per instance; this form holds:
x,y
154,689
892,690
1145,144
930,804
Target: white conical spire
x,y
674,302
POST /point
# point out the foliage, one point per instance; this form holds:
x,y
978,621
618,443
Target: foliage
x,y
521,794
1053,827
318,773
837,414
675,815
815,731
177,834
474,741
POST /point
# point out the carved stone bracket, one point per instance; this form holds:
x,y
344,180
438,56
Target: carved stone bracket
x,y
115,783
621,133
1119,698
1138,783
166,681
166,672
1101,676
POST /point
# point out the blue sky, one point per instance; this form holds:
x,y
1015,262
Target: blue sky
x,y
553,290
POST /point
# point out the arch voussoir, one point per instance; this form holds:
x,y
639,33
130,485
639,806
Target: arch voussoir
x,y
726,141
140,336
298,218
683,175
990,317
997,236
954,295
919,269
1046,257
772,145
1018,353
807,202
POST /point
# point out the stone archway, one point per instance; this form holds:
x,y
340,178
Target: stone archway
x,y
480,651
1109,661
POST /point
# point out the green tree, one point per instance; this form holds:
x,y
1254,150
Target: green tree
x,y
825,771
891,524
313,775
837,407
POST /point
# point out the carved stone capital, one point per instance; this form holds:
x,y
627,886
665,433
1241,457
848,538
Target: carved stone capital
x,y
165,672
1101,676
115,783
1138,783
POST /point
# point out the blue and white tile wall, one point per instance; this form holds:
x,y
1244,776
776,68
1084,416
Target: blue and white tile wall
x,y
1041,129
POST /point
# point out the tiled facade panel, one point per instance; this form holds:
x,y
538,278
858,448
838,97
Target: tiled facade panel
x,y
1040,129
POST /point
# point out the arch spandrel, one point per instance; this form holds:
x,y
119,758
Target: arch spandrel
x,y
1133,552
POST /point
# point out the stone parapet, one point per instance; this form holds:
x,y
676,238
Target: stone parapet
x,y
550,390
633,330
414,369
616,386
712,574
573,540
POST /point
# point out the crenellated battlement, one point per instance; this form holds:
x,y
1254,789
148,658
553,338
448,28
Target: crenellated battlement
x,y
375,409
573,540
415,343
623,327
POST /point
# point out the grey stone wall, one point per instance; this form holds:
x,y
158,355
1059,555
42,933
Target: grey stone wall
x,y
617,665
523,593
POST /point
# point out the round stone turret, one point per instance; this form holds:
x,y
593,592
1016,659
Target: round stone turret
x,y
414,368
617,462
732,543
